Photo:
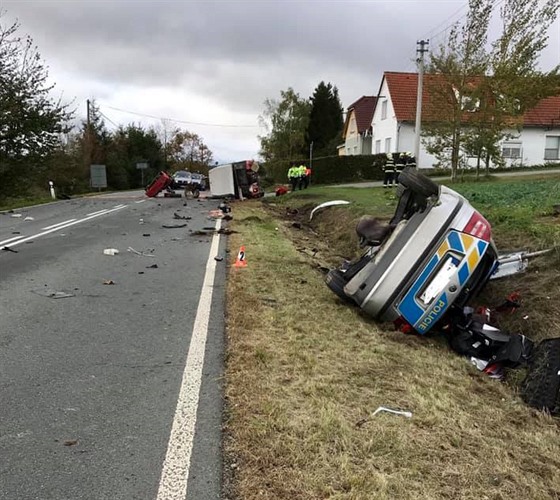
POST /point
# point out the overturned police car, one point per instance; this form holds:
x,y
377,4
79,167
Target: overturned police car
x,y
422,270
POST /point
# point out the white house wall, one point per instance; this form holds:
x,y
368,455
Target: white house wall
x,y
384,129
531,140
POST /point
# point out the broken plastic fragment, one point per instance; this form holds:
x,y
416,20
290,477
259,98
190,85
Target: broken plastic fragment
x,y
404,413
327,204
110,251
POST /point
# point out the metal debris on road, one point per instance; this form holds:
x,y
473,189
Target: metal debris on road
x,y
181,217
52,294
8,249
110,251
144,254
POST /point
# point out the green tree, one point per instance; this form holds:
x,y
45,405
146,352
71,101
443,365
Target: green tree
x,y
187,151
325,120
455,69
482,93
129,146
31,121
286,122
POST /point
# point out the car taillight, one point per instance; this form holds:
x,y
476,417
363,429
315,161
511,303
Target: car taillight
x,y
403,326
478,227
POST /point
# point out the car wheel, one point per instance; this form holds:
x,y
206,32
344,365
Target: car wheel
x,y
418,183
336,282
541,387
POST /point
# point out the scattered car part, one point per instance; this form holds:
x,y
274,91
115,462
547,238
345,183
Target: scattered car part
x,y
514,263
327,204
110,251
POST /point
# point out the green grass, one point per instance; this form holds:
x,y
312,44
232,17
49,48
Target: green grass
x,y
305,371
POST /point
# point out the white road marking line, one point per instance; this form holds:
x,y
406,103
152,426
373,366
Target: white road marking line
x,y
122,205
175,472
38,235
12,239
59,224
140,201
98,212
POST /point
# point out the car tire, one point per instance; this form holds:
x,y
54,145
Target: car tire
x,y
541,386
336,281
418,183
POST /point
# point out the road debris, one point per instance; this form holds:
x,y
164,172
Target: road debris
x,y
110,251
146,234
144,254
52,294
181,217
108,282
219,259
173,226
29,218
70,442
8,249
153,266
404,413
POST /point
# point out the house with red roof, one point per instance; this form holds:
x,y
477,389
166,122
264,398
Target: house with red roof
x,y
393,124
357,127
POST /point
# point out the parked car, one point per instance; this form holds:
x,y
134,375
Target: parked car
x,y
200,180
181,179
434,255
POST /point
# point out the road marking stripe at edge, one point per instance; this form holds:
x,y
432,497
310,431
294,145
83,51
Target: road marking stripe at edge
x,y
140,201
59,224
57,228
12,239
175,472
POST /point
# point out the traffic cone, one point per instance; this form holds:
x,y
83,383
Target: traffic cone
x,y
240,261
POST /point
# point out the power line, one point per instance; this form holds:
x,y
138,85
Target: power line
x,y
181,121
107,118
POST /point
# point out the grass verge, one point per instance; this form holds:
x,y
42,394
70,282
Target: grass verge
x,y
305,372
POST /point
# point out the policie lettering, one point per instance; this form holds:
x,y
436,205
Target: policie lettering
x,y
432,315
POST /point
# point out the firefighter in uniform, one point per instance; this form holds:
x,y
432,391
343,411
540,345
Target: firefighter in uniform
x,y
389,171
411,161
399,165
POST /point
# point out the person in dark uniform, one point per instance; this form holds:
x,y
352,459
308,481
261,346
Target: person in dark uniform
x,y
399,165
411,160
389,171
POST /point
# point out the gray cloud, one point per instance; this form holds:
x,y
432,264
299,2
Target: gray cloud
x,y
234,54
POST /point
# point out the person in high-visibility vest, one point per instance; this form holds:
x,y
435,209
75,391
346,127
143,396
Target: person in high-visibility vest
x,y
399,165
293,176
388,170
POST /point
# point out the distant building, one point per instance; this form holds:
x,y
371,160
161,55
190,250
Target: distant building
x,y
357,127
393,124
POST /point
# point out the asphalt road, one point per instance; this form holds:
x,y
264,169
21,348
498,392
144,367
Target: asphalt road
x,y
102,386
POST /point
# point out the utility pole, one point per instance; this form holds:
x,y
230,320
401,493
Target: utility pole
x,y
311,155
422,47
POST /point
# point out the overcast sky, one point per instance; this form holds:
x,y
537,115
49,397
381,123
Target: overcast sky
x,y
213,63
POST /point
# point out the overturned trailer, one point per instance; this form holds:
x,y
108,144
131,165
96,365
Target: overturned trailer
x,y
237,180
